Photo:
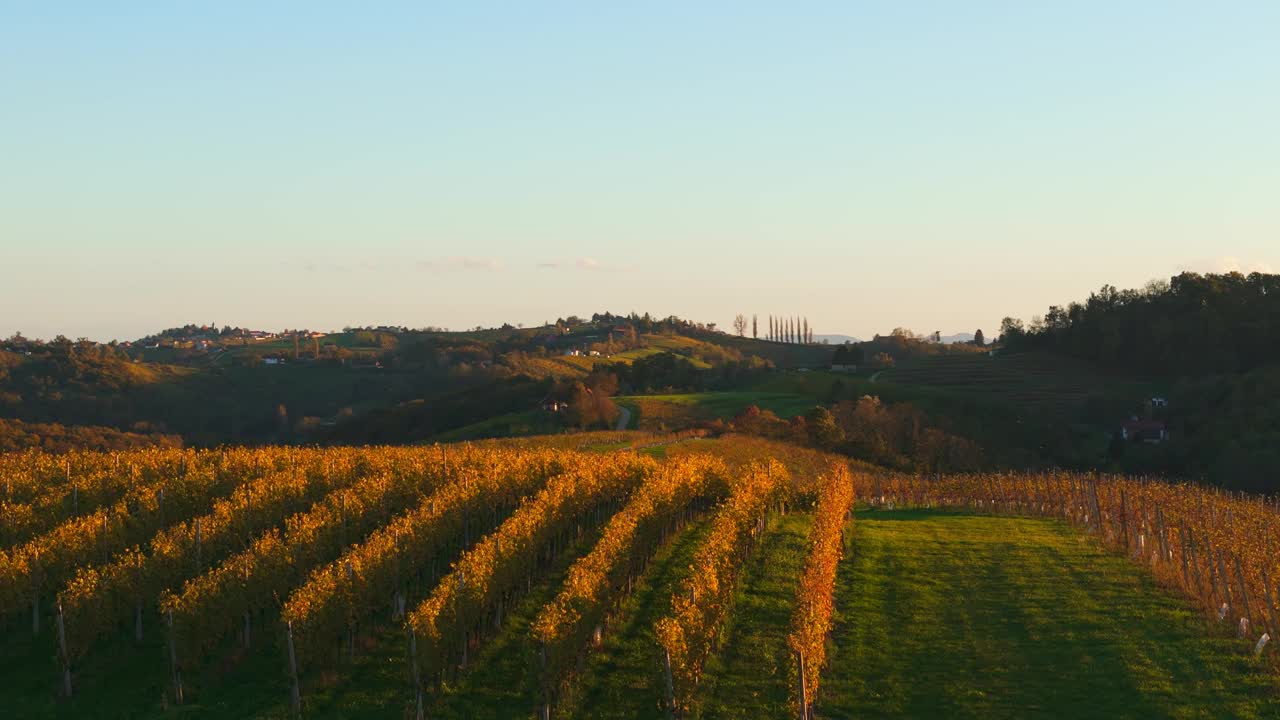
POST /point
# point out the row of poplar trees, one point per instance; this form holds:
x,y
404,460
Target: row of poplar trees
x,y
789,330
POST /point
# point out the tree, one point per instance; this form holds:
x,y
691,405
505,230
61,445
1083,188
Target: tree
x,y
848,354
755,331
978,338
1011,330
740,325
823,430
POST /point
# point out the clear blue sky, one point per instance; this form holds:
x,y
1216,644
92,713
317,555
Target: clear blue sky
x,y
935,165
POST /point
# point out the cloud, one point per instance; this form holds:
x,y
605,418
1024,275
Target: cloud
x,y
460,263
587,264
1227,264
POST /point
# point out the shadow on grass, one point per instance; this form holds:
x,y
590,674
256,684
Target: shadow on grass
x,y
951,614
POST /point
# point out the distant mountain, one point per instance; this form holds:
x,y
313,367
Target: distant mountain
x,y
836,339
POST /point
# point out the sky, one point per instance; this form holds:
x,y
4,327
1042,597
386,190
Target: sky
x,y
869,165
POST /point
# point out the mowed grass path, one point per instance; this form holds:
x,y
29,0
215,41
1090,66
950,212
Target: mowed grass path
x,y
623,677
962,616
750,676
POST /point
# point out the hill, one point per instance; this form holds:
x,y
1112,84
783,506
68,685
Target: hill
x,y
210,386
1038,382
1209,350
836,339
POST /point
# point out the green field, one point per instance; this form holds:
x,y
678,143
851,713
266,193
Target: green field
x,y
953,615
687,408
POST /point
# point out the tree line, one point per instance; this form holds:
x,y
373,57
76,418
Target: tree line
x,y
1191,325
781,329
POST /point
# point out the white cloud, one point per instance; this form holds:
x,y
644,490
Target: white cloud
x,y
460,263
583,263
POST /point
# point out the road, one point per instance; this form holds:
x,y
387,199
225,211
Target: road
x,y
874,376
624,418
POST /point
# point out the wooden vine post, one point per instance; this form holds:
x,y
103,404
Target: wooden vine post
x,y
668,686
1271,606
173,661
35,592
295,693
66,659
417,675
544,712
804,691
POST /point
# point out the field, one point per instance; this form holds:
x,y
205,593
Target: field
x,y
962,616
1037,382
571,575
664,412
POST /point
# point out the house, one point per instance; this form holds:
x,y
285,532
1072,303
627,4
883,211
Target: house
x,y
843,367
573,352
1152,432
554,403
272,361
595,353
1159,402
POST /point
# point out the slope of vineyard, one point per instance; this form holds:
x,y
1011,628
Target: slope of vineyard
x,y
613,575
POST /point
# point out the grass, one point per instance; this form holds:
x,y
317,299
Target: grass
x,y
106,684
622,678
514,424
503,680
751,675
683,409
960,616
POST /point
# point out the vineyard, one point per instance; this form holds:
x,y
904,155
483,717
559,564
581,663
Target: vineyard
x,y
613,575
